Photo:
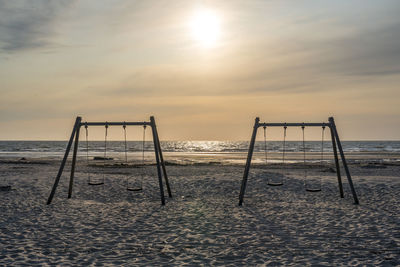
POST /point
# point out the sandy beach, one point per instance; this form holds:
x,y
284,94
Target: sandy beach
x,y
202,224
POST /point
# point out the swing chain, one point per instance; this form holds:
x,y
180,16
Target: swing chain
x,y
304,144
105,150
322,144
265,144
87,141
304,155
87,150
143,144
284,144
125,144
105,142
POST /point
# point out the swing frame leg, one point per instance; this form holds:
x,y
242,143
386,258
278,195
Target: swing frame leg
x,y
346,168
163,163
339,176
71,139
248,161
157,151
71,179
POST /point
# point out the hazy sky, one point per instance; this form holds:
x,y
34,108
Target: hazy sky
x,y
118,60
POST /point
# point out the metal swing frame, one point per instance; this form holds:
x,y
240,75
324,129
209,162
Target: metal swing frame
x,y
161,170
336,145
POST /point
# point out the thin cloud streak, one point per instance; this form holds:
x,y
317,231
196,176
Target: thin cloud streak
x,y
26,25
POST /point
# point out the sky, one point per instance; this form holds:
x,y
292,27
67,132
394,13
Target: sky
x,y
204,69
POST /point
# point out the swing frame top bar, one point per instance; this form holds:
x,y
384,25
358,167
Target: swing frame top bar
x,y
126,123
296,124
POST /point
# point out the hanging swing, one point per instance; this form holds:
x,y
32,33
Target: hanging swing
x,y
135,183
91,179
278,181
306,185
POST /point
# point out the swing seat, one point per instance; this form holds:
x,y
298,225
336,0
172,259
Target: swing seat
x,y
274,184
134,189
313,189
95,183
5,188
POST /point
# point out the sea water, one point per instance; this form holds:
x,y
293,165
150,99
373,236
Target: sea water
x,y
56,149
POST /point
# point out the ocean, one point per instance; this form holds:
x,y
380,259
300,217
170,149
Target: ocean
x,y
116,149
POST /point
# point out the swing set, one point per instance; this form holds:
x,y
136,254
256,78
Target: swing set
x,y
131,185
336,145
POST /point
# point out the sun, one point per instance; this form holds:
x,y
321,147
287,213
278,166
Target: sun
x,y
205,27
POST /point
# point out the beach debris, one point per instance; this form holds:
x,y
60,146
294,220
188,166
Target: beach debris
x,y
371,165
330,169
4,188
102,158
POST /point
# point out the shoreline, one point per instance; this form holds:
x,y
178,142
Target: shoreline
x,y
220,158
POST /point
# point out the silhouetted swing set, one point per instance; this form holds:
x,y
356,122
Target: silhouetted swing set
x,y
336,145
131,182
